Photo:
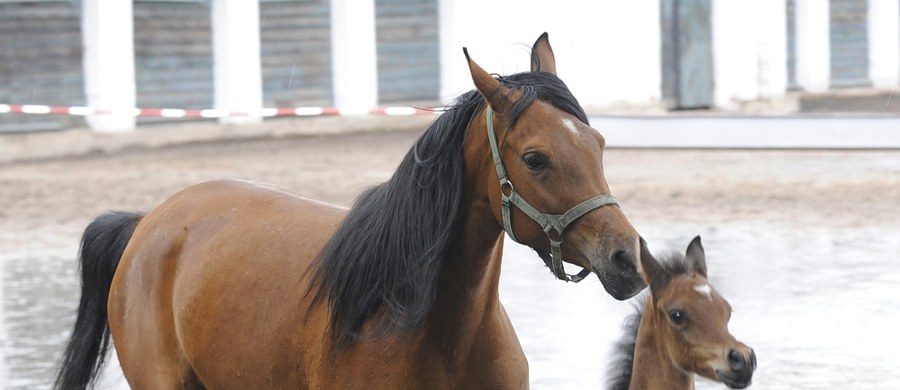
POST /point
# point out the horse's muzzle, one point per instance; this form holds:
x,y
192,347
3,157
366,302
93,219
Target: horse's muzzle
x,y
621,279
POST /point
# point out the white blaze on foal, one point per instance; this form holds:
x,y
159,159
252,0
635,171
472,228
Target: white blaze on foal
x,y
704,289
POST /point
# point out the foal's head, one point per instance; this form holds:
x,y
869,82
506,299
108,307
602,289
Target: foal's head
x,y
690,317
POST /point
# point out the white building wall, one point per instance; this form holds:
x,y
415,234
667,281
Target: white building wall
x,y
812,42
606,51
884,43
772,49
749,42
614,52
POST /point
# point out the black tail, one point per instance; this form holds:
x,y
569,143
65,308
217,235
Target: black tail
x,y
102,246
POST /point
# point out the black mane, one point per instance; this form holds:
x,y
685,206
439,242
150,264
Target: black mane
x,y
618,376
384,260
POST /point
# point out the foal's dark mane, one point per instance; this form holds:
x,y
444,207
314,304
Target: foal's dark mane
x,y
383,262
618,376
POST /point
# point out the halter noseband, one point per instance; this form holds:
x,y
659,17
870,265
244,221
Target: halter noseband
x,y
550,223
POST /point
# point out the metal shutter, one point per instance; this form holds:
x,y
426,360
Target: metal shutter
x,y
296,53
408,50
40,62
849,43
172,56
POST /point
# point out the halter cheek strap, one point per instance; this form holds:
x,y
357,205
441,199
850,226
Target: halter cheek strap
x,y
554,225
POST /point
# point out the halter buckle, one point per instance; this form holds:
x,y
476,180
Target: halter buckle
x,y
506,184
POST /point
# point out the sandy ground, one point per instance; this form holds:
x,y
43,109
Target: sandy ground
x,y
46,204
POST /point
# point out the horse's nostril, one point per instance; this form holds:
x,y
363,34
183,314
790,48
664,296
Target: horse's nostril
x,y
752,360
736,361
624,261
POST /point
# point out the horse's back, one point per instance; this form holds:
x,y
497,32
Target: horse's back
x,y
205,280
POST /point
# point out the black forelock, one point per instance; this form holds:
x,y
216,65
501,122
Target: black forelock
x,y
543,86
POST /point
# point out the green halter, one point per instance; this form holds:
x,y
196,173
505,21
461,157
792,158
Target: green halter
x,y
550,223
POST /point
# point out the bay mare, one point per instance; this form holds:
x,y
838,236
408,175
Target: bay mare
x,y
681,330
232,284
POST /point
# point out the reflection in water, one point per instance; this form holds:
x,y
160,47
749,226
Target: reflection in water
x,y
819,306
39,296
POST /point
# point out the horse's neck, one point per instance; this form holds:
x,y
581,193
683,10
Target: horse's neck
x,y
471,272
467,327
469,280
652,367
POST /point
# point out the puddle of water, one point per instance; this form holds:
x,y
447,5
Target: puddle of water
x,y
818,305
39,294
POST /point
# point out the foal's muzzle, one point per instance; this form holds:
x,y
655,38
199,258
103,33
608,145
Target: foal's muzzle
x,y
740,369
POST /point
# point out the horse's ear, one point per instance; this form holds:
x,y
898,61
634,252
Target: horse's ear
x,y
695,257
490,88
542,59
654,273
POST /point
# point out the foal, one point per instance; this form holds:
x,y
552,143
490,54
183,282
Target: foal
x,y
681,331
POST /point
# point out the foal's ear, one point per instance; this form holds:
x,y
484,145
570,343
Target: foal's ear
x,y
654,273
542,59
497,95
696,257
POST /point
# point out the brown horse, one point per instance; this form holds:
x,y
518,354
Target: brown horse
x,y
681,331
230,284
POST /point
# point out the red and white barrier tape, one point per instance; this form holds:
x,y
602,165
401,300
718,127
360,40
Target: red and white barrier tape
x,y
207,113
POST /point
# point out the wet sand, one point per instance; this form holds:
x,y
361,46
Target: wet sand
x,y
668,195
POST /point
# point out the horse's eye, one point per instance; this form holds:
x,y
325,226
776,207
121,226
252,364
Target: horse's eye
x,y
677,317
535,161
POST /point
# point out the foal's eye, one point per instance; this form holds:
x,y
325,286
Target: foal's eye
x,y
535,161
677,317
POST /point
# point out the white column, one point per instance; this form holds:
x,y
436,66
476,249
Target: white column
x,y
454,72
772,46
618,62
884,43
734,51
108,37
749,39
811,41
237,74
473,25
353,55
600,68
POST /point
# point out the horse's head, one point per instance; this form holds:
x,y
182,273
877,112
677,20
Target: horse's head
x,y
546,164
693,319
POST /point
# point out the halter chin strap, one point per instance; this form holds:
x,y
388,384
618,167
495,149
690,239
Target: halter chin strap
x,y
554,225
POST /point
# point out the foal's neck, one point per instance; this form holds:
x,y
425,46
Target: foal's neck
x,y
653,368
